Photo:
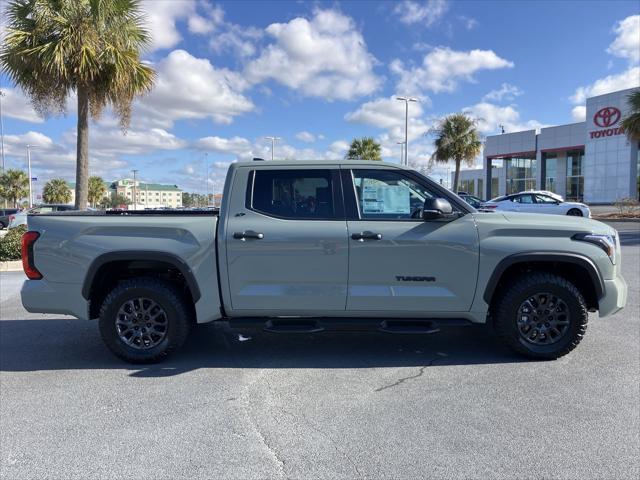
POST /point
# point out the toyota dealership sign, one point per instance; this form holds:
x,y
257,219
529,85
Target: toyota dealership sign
x,y
606,119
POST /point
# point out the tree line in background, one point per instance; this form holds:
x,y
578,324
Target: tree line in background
x,y
14,186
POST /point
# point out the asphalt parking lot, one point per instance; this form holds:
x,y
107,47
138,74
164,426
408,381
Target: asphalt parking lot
x,y
450,405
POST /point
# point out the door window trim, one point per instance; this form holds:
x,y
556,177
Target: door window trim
x,y
351,200
336,195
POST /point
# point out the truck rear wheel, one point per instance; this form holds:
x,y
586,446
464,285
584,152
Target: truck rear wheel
x,y
541,315
143,320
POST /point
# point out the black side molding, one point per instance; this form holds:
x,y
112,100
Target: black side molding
x,y
549,257
135,255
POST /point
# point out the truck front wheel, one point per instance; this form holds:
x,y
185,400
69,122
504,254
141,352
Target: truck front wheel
x,y
143,320
541,315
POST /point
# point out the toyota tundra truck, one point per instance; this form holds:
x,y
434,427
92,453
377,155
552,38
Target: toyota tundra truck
x,y
310,246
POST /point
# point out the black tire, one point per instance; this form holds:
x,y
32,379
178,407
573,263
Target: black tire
x,y
176,316
575,212
507,315
2,226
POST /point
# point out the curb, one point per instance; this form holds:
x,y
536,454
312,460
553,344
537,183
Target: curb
x,y
11,266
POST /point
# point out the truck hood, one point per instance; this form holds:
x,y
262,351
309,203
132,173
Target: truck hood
x,y
542,222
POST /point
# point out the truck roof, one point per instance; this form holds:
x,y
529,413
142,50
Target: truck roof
x,y
287,163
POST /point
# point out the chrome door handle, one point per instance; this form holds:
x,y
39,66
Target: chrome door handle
x,y
248,234
366,236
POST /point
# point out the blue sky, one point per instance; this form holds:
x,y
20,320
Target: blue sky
x,y
318,74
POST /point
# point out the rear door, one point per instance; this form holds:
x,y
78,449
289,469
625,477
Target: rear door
x,y
286,241
398,262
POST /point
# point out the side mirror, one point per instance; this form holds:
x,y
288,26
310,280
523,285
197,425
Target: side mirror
x,y
435,208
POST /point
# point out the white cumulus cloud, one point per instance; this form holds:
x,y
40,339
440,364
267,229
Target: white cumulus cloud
x,y
306,137
324,57
192,88
627,79
425,12
443,68
627,41
490,116
16,105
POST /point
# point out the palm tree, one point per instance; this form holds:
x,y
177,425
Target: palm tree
x,y
631,123
365,148
457,139
14,185
97,189
91,47
56,190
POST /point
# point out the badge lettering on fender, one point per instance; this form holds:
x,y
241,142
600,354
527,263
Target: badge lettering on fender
x,y
413,278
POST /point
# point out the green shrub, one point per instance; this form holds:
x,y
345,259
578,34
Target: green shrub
x,y
11,243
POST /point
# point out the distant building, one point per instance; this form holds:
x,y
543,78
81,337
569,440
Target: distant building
x,y
591,161
148,195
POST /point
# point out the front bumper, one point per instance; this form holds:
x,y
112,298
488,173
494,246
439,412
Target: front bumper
x,y
615,297
41,296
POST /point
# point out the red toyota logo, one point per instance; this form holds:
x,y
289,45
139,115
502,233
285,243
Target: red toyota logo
x,y
607,116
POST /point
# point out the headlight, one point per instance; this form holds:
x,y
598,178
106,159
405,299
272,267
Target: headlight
x,y
605,241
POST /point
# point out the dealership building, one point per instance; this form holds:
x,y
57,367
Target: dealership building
x,y
591,161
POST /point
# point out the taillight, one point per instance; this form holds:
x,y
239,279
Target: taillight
x,y
28,239
12,218
489,206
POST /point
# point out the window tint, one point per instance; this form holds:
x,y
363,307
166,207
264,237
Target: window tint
x,y
293,194
42,210
385,194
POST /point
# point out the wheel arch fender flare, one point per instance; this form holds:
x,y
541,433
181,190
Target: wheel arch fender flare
x,y
135,255
546,257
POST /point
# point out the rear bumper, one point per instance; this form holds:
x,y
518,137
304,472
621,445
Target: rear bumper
x,y
615,296
41,296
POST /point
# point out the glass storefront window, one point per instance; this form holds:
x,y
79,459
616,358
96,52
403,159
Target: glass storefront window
x,y
521,174
495,187
551,168
466,186
480,188
575,175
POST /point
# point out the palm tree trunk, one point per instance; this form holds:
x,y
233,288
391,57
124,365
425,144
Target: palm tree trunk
x,y
456,176
82,155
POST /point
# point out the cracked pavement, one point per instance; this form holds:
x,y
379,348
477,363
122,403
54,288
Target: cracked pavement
x,y
335,406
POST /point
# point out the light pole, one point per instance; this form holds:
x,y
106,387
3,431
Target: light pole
x,y
273,144
135,201
406,101
29,147
2,94
401,152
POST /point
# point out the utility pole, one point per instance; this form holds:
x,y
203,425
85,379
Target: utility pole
x,y
135,201
273,144
406,101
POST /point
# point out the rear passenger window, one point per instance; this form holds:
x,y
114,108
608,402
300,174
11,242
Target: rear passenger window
x,y
293,194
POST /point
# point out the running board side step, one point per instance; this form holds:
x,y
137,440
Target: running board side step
x,y
409,326
300,325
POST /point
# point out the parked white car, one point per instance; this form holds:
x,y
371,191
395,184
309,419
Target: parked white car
x,y
536,202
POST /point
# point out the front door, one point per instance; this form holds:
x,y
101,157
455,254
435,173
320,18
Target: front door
x,y
286,242
398,262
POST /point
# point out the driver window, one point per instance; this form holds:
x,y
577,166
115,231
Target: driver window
x,y
388,195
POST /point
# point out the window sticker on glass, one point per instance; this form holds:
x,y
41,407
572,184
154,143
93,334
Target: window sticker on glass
x,y
386,199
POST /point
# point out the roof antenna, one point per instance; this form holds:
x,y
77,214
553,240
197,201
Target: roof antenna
x,y
501,128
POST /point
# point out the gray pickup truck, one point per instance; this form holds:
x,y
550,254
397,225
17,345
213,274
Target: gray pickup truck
x,y
306,246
